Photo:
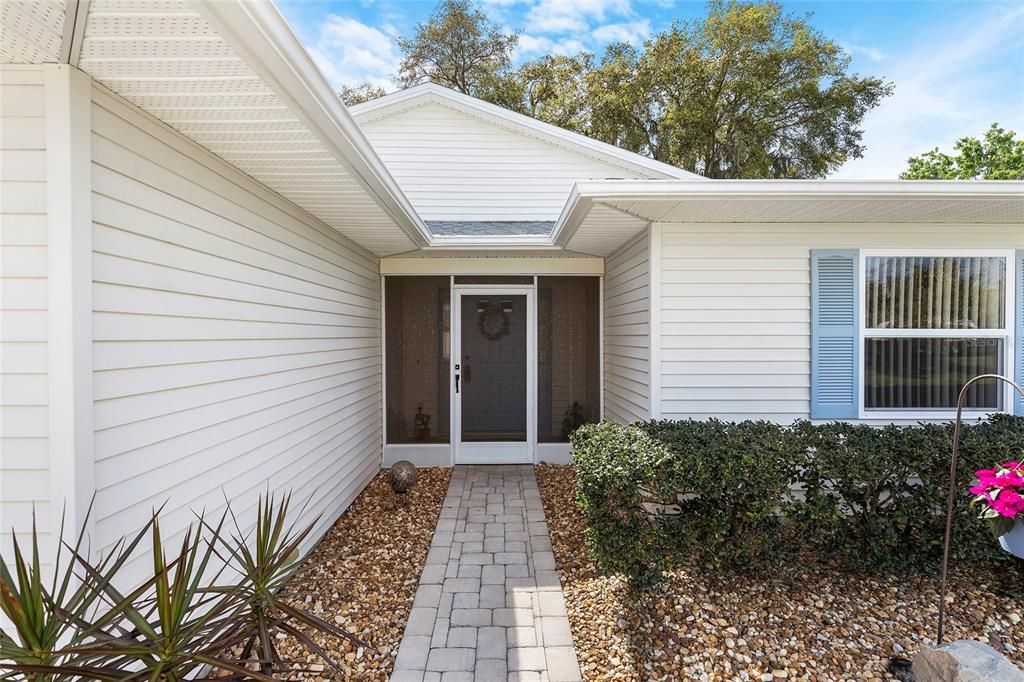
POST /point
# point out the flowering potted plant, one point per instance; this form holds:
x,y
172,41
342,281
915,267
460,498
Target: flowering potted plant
x,y
1000,493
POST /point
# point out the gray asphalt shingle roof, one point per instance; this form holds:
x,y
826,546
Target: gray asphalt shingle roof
x,y
481,228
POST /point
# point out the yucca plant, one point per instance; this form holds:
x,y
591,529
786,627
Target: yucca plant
x,y
50,618
186,621
266,567
174,626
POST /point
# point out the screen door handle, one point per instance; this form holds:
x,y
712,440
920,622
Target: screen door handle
x,y
456,383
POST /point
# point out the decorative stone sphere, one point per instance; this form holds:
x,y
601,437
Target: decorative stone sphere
x,y
402,475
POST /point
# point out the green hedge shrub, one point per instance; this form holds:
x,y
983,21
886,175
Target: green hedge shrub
x,y
744,495
729,481
619,474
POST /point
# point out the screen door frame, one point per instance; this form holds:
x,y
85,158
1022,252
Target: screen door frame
x,y
484,452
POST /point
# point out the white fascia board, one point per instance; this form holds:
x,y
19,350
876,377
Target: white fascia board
x,y
519,264
261,36
817,189
419,95
489,241
585,193
576,208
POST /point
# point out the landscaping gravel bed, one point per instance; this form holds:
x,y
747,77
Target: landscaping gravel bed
x,y
808,621
364,573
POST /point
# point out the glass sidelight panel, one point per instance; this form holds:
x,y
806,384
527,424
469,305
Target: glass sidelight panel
x,y
493,368
417,332
568,362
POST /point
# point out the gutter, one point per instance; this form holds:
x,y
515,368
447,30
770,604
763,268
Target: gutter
x,y
260,35
870,189
585,193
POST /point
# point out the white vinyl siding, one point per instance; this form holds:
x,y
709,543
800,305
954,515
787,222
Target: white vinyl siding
x,y
236,338
24,323
627,331
735,308
453,166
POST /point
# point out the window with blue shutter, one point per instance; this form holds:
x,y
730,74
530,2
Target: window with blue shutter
x,y
835,373
1018,309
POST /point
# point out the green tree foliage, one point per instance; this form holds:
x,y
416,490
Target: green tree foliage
x,y
746,93
551,89
999,155
357,94
458,47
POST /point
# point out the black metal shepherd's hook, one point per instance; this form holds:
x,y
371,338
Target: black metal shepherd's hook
x,y
952,492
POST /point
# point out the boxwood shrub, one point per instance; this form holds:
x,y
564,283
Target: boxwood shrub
x,y
745,495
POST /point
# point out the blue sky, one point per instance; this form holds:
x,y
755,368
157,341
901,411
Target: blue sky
x,y
957,66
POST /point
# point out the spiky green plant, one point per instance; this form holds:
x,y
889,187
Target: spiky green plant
x,y
175,625
49,618
267,567
186,621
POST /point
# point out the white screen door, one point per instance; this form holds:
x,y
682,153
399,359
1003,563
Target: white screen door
x,y
493,375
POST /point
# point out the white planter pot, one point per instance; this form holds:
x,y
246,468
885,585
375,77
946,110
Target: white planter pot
x,y
1013,542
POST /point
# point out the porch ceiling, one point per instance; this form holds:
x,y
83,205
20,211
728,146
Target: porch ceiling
x,y
229,75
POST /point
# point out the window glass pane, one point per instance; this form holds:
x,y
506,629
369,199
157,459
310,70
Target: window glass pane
x,y
928,373
417,345
568,369
910,292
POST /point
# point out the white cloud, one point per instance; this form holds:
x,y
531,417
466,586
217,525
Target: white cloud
x,y
872,53
633,32
563,16
530,45
349,51
947,85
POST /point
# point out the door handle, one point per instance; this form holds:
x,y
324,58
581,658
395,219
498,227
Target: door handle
x,y
457,383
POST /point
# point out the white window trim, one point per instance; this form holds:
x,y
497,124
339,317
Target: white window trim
x,y
1007,333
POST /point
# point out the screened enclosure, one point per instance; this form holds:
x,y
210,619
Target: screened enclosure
x,y
418,346
417,332
568,361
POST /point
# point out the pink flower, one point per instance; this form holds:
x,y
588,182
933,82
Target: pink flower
x,y
1000,489
1008,503
1010,480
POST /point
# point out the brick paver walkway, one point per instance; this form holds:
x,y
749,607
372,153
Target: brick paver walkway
x,y
489,605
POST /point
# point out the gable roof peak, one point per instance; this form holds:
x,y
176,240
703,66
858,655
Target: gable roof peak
x,y
416,96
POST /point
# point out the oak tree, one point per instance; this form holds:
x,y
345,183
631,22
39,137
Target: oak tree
x,y
999,155
458,47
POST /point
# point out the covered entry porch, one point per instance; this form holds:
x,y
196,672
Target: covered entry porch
x,y
490,360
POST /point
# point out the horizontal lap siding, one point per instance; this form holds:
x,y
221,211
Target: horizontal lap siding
x,y
24,324
456,167
237,340
736,304
627,330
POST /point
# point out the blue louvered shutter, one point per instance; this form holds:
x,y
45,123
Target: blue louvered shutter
x,y
835,371
1018,334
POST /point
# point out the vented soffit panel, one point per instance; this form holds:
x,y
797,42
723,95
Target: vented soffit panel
x,y
231,76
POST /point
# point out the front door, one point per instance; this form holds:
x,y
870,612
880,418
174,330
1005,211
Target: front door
x,y
493,375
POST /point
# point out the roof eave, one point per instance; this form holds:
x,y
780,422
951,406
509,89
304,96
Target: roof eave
x,y
585,194
653,189
258,32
